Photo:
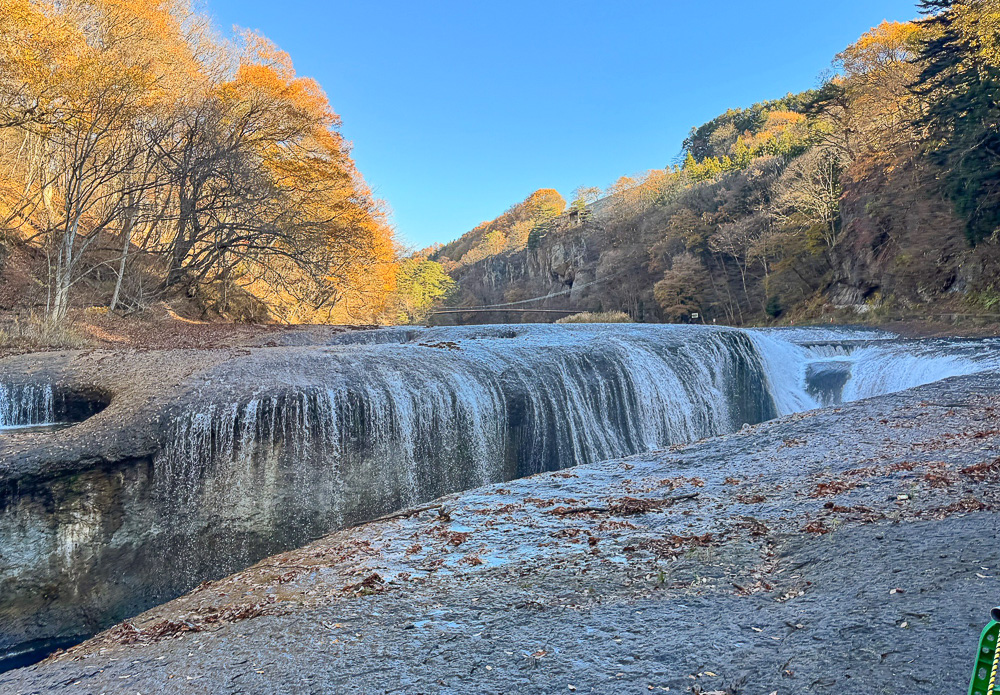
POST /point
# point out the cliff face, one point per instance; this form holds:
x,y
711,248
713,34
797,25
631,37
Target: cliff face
x,y
900,238
547,269
812,205
898,243
571,269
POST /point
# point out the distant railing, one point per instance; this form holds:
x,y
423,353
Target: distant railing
x,y
504,311
486,310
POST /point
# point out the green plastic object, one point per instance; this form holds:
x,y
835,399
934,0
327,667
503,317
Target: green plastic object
x,y
980,683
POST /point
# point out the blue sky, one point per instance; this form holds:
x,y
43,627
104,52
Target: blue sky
x,y
458,109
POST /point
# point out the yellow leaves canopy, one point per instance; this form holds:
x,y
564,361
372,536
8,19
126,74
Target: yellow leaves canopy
x,y
272,195
881,49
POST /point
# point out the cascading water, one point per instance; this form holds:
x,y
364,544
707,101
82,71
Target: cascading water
x,y
414,413
422,413
395,417
410,416
811,368
26,405
297,441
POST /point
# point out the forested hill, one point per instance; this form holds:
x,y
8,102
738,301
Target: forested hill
x,y
877,193
143,156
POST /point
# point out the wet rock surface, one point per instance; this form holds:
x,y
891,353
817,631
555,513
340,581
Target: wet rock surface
x,y
201,462
846,550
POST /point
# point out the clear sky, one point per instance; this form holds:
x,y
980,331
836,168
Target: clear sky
x,y
459,108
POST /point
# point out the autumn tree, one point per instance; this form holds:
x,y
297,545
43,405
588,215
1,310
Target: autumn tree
x,y
867,108
128,131
584,196
90,143
808,194
420,284
715,139
681,292
521,225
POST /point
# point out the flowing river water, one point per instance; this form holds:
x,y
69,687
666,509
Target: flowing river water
x,y
485,403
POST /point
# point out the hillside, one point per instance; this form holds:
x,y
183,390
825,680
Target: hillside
x,y
144,156
873,196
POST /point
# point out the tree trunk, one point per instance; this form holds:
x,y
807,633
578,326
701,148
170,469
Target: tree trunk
x,y
126,243
64,273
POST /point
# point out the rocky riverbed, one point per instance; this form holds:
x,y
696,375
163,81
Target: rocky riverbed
x,y
847,550
183,466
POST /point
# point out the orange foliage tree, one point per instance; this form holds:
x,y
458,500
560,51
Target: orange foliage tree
x,y
125,124
511,231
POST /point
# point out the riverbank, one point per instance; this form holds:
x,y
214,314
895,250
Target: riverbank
x,y
179,327
161,327
851,549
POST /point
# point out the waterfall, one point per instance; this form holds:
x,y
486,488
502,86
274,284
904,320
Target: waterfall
x,y
812,368
393,417
26,405
413,414
381,420
888,368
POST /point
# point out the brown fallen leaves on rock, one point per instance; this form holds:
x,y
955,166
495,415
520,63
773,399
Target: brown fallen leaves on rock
x,y
963,506
372,584
817,527
858,513
883,471
625,506
442,345
674,545
831,488
983,472
755,527
128,633
939,479
457,538
233,614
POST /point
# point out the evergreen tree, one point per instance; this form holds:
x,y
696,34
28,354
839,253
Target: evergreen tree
x,y
961,81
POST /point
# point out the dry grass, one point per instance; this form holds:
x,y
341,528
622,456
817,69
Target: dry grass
x,y
597,317
33,332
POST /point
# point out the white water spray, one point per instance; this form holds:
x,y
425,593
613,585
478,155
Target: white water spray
x,y
420,411
26,405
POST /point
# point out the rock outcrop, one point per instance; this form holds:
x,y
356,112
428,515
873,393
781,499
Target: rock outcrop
x,y
189,465
195,464
851,549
